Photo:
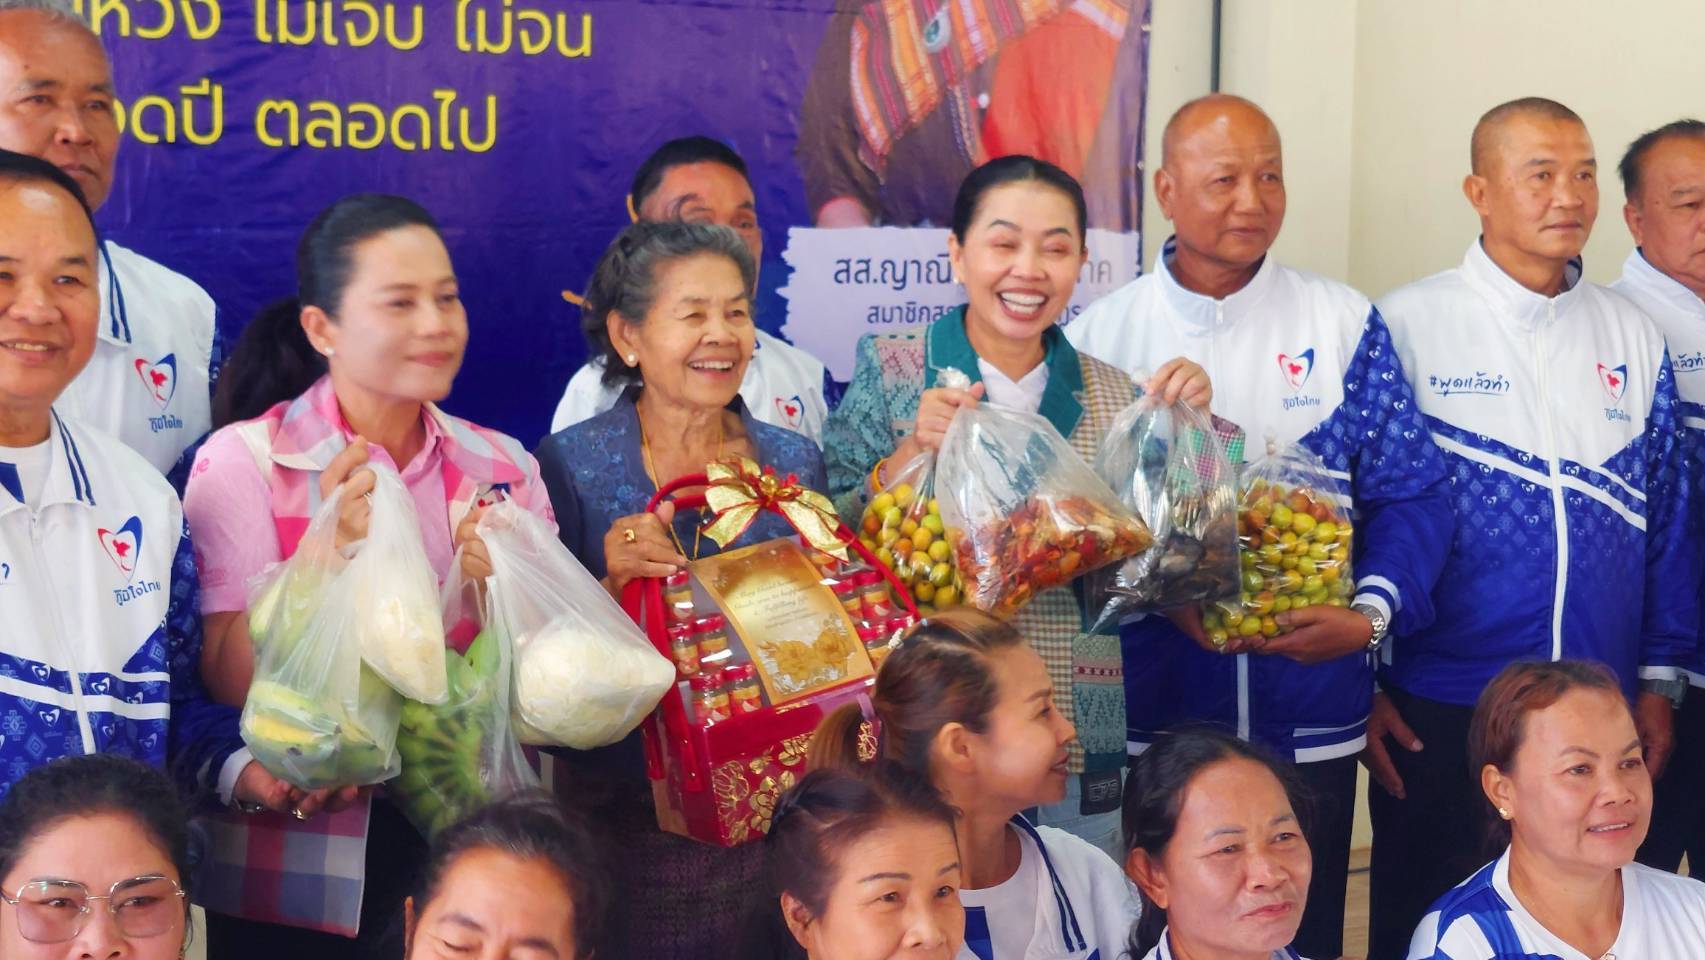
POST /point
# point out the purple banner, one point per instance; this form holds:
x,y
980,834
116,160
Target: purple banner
x,y
519,124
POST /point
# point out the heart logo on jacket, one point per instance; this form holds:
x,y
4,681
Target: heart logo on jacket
x,y
792,411
49,717
1614,380
159,378
1296,369
123,546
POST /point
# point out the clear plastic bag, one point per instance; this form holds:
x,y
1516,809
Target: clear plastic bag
x,y
399,626
1294,534
902,525
1023,512
462,754
1170,463
315,715
585,676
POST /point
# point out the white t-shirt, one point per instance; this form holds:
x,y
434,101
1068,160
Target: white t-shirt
x,y
1001,920
1024,394
23,471
1663,918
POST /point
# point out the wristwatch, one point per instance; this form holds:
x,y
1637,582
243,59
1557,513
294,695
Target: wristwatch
x,y
1377,619
1672,690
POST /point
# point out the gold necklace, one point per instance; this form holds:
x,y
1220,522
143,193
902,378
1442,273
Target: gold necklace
x,y
651,471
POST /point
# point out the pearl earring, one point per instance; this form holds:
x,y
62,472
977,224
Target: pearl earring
x,y
331,351
1503,813
632,359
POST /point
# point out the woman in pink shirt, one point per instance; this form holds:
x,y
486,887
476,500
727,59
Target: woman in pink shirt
x,y
347,374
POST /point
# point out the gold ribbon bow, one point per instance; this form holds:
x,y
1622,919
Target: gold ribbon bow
x,y
739,490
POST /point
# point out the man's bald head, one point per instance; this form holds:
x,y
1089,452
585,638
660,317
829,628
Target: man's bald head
x,y
1488,133
1535,188
1221,183
1222,110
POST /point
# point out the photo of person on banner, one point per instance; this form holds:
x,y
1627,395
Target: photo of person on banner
x,y
907,96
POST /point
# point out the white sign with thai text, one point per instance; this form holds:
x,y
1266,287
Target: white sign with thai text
x,y
845,283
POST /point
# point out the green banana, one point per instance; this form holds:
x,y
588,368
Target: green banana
x,y
443,747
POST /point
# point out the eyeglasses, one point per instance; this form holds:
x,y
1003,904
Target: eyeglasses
x,y
53,911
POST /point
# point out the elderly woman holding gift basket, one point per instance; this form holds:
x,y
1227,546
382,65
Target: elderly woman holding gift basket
x,y
669,310
1017,245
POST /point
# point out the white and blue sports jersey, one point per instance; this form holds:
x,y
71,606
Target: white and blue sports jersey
x,y
1163,950
1084,904
1557,416
1680,316
149,382
1663,918
1294,358
101,648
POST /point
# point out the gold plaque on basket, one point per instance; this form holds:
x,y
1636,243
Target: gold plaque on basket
x,y
794,629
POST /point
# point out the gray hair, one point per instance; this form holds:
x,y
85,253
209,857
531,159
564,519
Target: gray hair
x,y
625,280
60,10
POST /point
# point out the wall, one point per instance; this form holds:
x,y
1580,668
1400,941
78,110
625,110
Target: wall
x,y
1426,71
1375,100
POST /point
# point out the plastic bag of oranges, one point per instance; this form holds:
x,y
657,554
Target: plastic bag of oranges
x,y
1294,545
902,525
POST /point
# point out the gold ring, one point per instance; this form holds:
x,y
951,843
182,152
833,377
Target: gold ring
x,y
298,814
629,536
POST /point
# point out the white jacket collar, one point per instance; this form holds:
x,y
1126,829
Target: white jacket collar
x,y
115,313
1512,301
1639,272
67,477
1204,314
1057,925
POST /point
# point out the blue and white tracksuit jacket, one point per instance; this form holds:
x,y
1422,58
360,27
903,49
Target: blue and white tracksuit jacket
x,y
100,621
1293,357
1680,316
1558,417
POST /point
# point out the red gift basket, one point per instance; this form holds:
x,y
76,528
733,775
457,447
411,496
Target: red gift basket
x,y
718,764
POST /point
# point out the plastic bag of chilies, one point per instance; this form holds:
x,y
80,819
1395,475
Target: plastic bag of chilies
x,y
1173,465
1294,534
1024,513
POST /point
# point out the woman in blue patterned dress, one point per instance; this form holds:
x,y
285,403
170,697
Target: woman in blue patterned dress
x,y
669,310
1017,245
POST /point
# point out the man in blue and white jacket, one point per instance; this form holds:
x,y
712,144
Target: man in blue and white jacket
x,y
101,644
1555,405
149,382
1663,177
1298,359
